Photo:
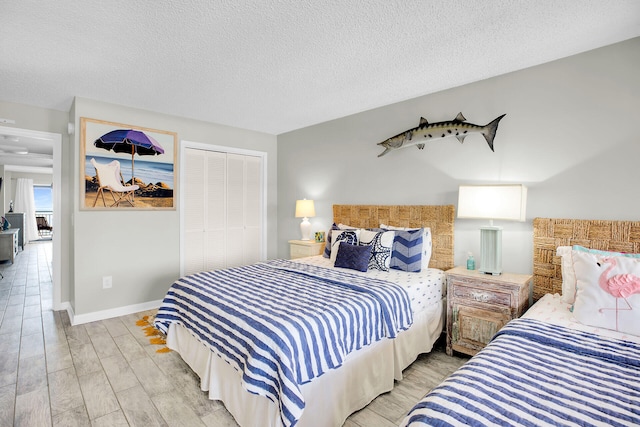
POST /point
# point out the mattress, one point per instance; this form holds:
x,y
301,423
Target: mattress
x,y
551,309
424,288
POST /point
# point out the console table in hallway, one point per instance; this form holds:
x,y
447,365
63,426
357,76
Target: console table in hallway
x,y
9,244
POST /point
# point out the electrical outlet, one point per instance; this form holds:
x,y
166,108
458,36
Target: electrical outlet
x,y
107,282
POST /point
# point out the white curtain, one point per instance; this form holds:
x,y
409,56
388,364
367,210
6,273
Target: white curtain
x,y
25,202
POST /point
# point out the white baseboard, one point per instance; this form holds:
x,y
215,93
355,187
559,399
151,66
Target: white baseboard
x,y
66,306
79,319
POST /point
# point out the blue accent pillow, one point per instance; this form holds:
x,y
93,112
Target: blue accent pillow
x,y
353,256
406,254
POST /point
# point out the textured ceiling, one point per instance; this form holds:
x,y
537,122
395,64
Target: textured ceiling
x,y
276,66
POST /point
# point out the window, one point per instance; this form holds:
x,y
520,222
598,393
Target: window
x,y
43,198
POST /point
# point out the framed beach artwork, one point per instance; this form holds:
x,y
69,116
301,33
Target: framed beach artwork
x,y
127,167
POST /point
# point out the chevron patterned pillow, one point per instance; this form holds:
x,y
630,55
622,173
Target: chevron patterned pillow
x,y
426,242
407,250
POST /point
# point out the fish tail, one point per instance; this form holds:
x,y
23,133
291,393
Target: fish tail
x,y
490,131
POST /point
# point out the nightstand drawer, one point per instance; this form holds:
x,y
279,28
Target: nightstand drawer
x,y
304,248
299,251
468,293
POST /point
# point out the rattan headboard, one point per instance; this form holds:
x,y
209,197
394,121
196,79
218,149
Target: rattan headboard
x,y
549,233
439,218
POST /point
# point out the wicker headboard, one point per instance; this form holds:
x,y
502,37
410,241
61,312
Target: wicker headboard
x,y
549,233
439,218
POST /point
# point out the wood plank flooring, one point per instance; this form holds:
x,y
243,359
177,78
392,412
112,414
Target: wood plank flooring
x,y
107,373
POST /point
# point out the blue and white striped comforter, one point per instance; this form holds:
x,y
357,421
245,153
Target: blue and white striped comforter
x,y
282,323
538,374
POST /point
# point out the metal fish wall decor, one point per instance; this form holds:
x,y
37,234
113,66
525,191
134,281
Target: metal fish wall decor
x,y
426,131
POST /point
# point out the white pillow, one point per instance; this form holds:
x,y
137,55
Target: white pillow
x,y
327,246
608,291
342,226
382,244
426,242
337,236
568,275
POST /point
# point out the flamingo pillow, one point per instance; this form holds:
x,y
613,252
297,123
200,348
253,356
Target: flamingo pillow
x,y
568,273
608,291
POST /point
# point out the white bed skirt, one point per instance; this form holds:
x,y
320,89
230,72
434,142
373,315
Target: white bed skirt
x,y
330,398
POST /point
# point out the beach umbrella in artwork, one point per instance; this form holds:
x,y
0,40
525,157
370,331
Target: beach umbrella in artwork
x,y
130,141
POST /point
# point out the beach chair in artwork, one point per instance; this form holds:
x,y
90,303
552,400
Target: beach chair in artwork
x,y
110,179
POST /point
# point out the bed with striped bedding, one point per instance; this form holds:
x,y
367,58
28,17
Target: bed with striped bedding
x,y
282,324
538,373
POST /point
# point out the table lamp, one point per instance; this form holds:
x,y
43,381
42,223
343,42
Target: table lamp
x,y
305,210
503,202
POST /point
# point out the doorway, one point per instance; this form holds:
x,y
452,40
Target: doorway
x,y
55,139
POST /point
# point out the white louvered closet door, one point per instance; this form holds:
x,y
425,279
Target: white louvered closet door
x,y
216,206
223,210
235,209
194,211
244,213
253,209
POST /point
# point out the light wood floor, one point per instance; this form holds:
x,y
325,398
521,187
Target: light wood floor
x,y
107,373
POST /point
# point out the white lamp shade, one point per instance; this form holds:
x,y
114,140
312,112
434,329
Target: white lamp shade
x,y
305,209
507,202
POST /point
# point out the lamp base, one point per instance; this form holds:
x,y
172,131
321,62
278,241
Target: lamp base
x,y
305,229
491,250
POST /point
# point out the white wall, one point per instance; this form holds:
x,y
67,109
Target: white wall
x,y
570,134
141,249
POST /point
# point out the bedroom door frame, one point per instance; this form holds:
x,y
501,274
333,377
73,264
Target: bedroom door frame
x,y
56,252
184,145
